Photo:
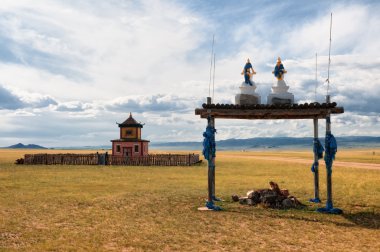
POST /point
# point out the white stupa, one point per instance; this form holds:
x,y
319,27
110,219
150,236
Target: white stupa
x,y
280,94
247,94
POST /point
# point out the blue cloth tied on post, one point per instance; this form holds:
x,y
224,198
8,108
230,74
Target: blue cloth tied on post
x,y
331,147
209,143
318,150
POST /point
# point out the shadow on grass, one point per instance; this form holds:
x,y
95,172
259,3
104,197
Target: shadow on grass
x,y
368,220
364,219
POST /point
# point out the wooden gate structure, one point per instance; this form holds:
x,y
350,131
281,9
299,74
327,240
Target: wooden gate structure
x,y
312,111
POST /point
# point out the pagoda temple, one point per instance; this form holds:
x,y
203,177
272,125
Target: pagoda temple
x,y
130,143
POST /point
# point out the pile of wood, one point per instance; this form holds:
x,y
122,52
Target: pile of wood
x,y
273,197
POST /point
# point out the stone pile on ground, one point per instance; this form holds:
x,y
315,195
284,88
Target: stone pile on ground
x,y
271,198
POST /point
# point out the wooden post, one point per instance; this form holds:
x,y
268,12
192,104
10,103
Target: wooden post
x,y
316,163
211,168
208,100
329,203
328,174
211,162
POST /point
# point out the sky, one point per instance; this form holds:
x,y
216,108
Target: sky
x,y
70,70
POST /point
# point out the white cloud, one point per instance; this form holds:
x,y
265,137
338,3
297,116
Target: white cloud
x,y
70,70
110,51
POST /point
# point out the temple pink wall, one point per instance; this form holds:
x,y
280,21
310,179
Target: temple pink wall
x,y
142,149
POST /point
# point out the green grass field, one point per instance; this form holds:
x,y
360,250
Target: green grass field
x,y
101,208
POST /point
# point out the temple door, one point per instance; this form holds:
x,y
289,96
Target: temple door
x,y
127,151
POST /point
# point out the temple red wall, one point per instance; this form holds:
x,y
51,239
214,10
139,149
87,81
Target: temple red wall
x,y
133,149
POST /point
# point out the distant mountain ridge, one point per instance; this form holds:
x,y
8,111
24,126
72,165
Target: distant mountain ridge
x,y
28,146
273,142
238,144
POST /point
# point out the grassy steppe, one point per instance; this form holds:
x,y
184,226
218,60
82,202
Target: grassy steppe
x,y
155,208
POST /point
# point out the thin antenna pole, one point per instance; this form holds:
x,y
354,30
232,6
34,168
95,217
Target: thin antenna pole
x,y
328,69
212,53
213,80
316,77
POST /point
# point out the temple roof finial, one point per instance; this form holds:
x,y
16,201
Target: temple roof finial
x,y
130,122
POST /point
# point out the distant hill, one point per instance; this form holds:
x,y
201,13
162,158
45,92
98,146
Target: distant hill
x,y
28,146
258,143
272,142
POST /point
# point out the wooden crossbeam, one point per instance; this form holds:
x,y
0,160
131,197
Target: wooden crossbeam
x,y
268,113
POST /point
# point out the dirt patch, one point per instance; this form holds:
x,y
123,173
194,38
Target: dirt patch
x,y
307,161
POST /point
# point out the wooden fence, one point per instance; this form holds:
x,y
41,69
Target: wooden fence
x,y
156,160
105,159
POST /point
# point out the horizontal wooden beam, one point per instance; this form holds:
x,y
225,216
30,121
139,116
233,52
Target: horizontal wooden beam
x,y
268,113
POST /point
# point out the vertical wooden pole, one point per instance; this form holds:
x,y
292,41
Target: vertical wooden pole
x,y
211,162
213,166
208,100
211,171
210,123
328,172
316,163
329,203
